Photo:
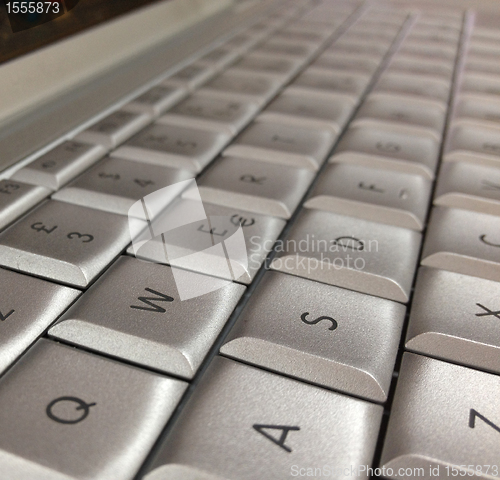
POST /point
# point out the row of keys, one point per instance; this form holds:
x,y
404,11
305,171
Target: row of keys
x,y
455,308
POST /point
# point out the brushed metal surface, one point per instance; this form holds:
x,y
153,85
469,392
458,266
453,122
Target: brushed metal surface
x,y
430,425
279,330
126,410
454,317
115,184
393,198
60,165
283,144
216,435
464,242
260,187
178,147
197,246
65,243
469,187
27,308
17,198
348,252
171,336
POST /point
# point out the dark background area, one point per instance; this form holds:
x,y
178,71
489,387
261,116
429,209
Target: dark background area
x,y
86,13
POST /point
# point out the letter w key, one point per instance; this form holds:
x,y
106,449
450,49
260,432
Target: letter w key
x,y
153,307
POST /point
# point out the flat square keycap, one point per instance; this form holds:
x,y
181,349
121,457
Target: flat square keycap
x,y
28,306
404,110
115,184
223,242
68,414
174,146
66,243
464,242
212,113
473,142
256,186
60,165
394,198
443,417
239,414
378,145
348,252
457,318
290,145
114,129
469,187
17,198
319,333
135,312
309,108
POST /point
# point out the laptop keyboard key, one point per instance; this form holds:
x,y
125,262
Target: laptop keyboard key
x,y
414,85
115,184
134,312
256,186
64,243
352,84
404,110
283,144
470,187
401,149
70,414
157,99
313,109
168,145
318,333
239,414
60,165
17,198
114,129
457,318
192,76
347,252
214,245
393,198
445,418
207,112
474,142
27,308
240,85
463,242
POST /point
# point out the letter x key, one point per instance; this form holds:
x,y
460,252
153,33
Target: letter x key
x,y
487,312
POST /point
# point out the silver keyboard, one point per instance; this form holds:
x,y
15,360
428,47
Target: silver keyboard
x,y
354,148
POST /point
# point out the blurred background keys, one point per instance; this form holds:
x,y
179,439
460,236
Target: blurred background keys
x,y
364,256
60,165
114,129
